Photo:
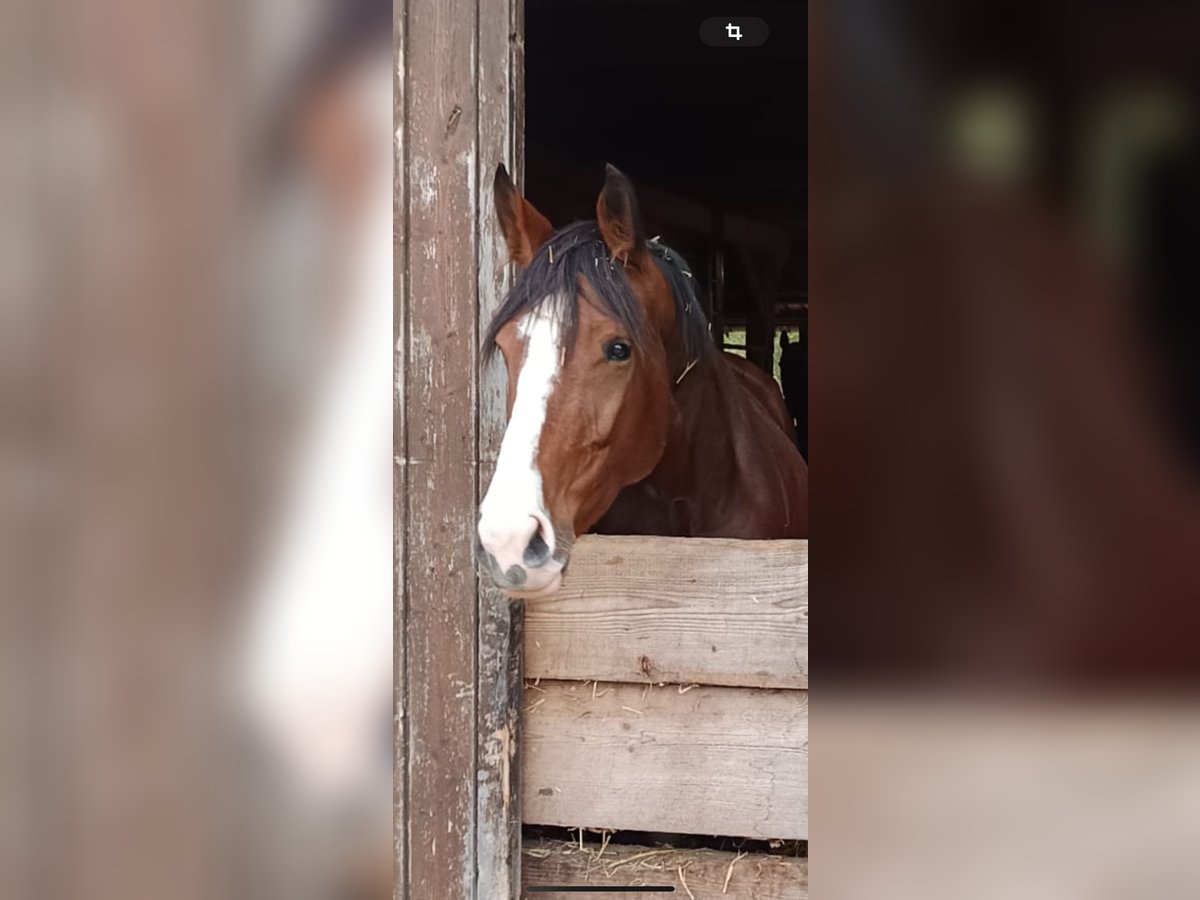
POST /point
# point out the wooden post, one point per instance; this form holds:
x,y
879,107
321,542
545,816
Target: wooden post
x,y
399,456
717,280
763,278
458,70
499,692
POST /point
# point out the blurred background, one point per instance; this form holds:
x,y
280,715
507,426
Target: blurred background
x,y
195,321
1005,393
1003,421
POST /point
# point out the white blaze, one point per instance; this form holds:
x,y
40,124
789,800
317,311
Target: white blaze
x,y
515,494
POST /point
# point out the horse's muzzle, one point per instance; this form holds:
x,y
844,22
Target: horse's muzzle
x,y
539,573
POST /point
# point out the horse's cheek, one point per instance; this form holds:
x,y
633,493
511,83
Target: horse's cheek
x,y
654,423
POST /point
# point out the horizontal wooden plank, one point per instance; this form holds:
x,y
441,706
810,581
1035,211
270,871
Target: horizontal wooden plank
x,y
704,874
681,610
709,760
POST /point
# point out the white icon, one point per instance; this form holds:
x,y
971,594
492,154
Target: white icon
x,y
733,31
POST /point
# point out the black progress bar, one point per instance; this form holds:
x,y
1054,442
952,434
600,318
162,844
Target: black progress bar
x,y
583,889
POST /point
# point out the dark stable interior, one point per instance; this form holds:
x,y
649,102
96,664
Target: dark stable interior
x,y
714,140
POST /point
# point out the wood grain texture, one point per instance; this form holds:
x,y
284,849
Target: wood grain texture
x,y
400,455
441,632
458,700
498,767
710,760
753,876
680,610
498,691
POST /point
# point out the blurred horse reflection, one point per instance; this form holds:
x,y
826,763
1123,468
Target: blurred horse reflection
x,y
317,668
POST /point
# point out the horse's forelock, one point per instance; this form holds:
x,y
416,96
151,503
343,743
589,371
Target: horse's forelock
x,y
578,253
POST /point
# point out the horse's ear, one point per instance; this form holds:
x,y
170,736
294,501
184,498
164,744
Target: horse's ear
x,y
618,216
525,229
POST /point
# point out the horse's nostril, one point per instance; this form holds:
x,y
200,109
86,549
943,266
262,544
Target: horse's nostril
x,y
536,552
515,576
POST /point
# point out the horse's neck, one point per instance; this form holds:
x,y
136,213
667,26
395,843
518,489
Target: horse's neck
x,y
699,465
701,440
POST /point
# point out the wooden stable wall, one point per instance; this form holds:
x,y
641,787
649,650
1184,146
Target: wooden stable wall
x,y
666,692
643,620
457,687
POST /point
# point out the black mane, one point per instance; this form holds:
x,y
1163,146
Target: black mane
x,y
578,251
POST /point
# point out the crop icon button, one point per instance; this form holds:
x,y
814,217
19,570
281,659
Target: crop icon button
x,y
734,31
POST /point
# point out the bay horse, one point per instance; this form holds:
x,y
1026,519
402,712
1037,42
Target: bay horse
x,y
623,416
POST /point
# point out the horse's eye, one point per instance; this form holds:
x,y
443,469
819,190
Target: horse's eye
x,y
617,351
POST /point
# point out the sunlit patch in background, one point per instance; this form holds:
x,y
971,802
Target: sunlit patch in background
x,y
1129,127
991,132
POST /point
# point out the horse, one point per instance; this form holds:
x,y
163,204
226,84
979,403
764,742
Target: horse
x,y
623,416
793,373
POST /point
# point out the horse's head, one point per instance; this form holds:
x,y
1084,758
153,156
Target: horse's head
x,y
588,338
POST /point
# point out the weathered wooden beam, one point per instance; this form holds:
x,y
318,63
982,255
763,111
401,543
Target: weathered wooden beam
x,y
763,271
400,454
457,648
680,610
440,632
498,691
702,874
709,760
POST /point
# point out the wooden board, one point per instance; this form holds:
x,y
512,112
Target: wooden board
x,y
498,693
682,610
458,689
712,760
441,627
755,876
400,453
